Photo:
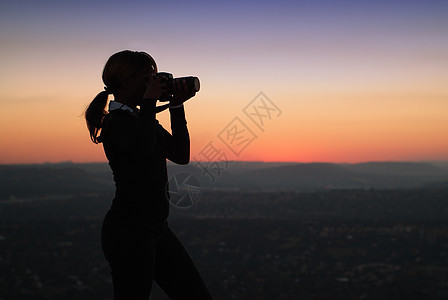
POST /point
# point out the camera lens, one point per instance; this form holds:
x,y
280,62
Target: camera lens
x,y
196,84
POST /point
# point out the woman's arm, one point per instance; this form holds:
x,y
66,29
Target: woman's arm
x,y
178,143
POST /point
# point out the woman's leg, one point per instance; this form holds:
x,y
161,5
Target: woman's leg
x,y
130,253
175,272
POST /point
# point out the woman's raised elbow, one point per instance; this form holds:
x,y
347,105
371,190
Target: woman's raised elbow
x,y
184,160
180,159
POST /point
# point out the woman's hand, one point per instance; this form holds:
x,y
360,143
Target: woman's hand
x,y
181,93
155,88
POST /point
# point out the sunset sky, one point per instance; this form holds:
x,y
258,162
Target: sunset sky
x,y
331,81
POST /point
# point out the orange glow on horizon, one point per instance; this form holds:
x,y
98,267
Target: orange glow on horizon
x,y
311,131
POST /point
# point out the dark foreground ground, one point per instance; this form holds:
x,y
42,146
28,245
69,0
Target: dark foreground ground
x,y
323,245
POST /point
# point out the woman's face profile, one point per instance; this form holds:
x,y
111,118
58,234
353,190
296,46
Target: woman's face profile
x,y
141,80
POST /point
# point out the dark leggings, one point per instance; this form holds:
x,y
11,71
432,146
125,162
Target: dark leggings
x,y
138,255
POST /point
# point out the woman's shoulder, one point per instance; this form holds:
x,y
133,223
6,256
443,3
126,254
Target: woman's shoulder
x,y
119,116
118,120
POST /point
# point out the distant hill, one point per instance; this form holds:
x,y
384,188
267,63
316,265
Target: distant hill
x,y
68,179
398,168
30,181
305,176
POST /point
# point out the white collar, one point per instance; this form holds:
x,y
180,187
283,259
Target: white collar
x,y
113,105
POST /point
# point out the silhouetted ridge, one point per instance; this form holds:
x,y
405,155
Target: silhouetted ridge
x,y
45,180
312,175
398,168
22,181
303,176
311,169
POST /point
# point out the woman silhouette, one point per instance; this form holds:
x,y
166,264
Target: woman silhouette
x,y
136,239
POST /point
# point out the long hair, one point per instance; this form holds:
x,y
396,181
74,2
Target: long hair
x,y
119,67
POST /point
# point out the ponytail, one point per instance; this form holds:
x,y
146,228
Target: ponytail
x,y
95,114
119,68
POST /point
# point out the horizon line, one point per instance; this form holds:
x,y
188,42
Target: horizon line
x,y
241,161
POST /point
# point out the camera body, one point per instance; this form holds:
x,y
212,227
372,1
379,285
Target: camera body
x,y
193,84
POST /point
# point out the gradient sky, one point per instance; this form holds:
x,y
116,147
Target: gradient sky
x,y
353,81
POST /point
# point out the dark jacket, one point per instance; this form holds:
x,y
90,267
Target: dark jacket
x,y
137,147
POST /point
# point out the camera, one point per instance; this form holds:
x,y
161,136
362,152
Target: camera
x,y
193,84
